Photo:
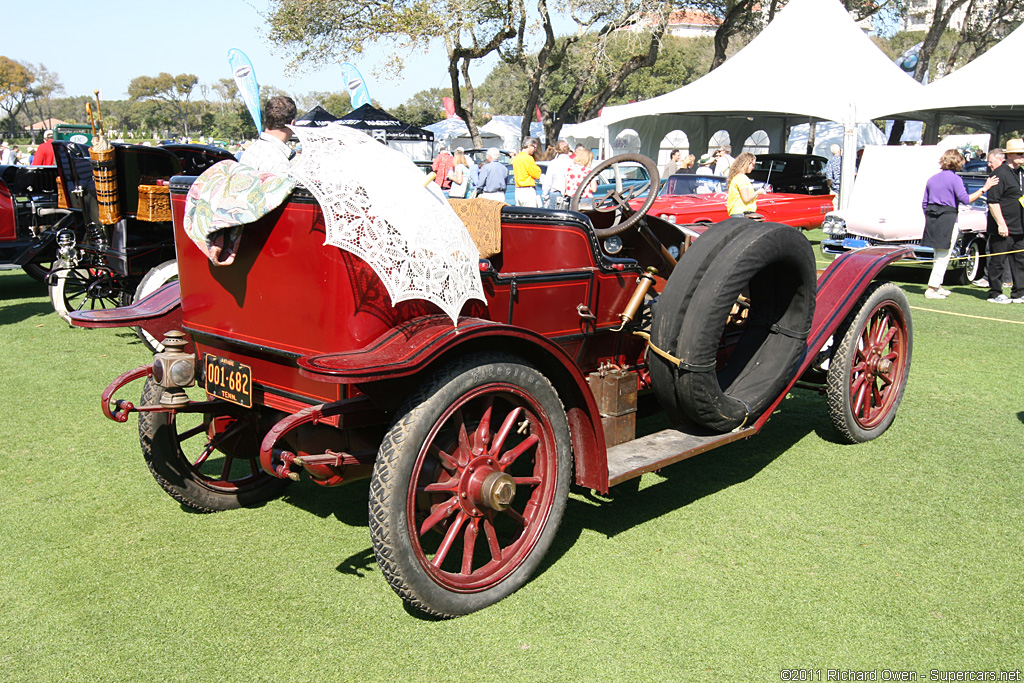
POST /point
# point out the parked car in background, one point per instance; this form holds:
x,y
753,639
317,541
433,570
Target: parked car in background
x,y
479,156
28,211
976,166
792,173
880,214
627,176
688,198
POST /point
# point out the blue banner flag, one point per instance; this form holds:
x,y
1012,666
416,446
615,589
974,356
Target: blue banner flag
x,y
355,85
248,88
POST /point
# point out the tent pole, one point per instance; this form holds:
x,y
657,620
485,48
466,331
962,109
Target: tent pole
x,y
931,132
849,163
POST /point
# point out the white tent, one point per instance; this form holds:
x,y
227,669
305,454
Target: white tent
x,y
812,61
508,128
590,134
978,93
452,133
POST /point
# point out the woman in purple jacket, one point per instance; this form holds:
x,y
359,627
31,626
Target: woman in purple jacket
x,y
943,194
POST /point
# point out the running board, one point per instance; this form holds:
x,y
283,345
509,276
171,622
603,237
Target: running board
x,y
654,451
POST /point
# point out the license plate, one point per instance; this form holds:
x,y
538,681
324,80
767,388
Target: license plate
x,y
228,379
855,244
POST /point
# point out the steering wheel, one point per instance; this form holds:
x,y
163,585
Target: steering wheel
x,y
618,202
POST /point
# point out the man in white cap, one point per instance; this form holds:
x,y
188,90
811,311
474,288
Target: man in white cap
x,y
1006,226
6,156
44,155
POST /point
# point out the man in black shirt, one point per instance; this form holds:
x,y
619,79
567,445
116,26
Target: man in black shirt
x,y
1005,225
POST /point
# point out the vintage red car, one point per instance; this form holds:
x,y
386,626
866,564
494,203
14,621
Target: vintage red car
x,y
689,198
292,362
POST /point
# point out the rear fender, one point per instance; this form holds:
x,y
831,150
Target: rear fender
x,y
420,345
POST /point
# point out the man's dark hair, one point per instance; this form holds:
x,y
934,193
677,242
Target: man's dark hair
x,y
280,111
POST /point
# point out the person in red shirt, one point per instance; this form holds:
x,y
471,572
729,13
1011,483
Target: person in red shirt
x,y
44,155
443,163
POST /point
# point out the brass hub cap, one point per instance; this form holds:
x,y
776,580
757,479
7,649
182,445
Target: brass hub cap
x,y
485,487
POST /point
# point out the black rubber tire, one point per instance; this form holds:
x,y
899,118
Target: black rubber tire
x,y
156,278
406,462
773,264
970,270
203,488
855,363
37,271
74,289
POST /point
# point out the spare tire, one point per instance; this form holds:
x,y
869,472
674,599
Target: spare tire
x,y
724,387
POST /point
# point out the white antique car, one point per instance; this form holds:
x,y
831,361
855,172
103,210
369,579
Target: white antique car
x,y
885,209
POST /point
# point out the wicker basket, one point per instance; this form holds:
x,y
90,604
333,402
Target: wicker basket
x,y
154,203
104,174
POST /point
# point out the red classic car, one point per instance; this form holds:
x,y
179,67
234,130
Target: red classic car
x,y
689,198
293,361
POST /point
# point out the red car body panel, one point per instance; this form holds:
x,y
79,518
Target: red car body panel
x,y
316,325
799,210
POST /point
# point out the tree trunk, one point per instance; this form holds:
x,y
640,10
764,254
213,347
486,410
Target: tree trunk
x,y
940,22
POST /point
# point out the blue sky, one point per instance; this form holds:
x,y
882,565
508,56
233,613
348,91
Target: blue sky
x,y
186,36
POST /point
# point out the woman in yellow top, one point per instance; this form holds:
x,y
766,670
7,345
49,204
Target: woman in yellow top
x,y
742,197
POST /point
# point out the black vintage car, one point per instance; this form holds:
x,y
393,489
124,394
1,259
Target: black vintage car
x,y
106,263
28,203
792,173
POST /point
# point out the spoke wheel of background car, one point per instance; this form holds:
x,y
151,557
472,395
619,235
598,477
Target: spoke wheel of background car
x,y
969,269
470,485
734,363
625,216
37,271
205,462
153,280
868,372
87,288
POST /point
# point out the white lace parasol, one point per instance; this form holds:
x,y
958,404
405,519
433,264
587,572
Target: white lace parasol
x,y
376,206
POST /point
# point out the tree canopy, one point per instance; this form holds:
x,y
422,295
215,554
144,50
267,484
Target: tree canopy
x,y
15,79
174,91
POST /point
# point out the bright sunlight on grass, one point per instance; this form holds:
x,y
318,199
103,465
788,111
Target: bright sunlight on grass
x,y
785,551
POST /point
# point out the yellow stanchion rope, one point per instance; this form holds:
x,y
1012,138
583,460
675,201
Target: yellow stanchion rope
x,y
965,315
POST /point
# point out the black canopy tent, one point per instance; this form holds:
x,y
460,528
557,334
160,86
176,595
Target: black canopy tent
x,y
407,138
317,116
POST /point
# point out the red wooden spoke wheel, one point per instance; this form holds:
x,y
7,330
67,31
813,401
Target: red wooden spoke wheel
x,y
206,462
470,485
868,373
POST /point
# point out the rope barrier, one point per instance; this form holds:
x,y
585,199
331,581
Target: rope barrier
x,y
979,256
965,315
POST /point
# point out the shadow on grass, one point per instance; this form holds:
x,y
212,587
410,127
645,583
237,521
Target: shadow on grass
x,y
688,481
347,503
19,285
625,507
17,313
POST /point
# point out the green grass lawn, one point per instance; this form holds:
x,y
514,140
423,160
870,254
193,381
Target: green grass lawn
x,y
788,550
